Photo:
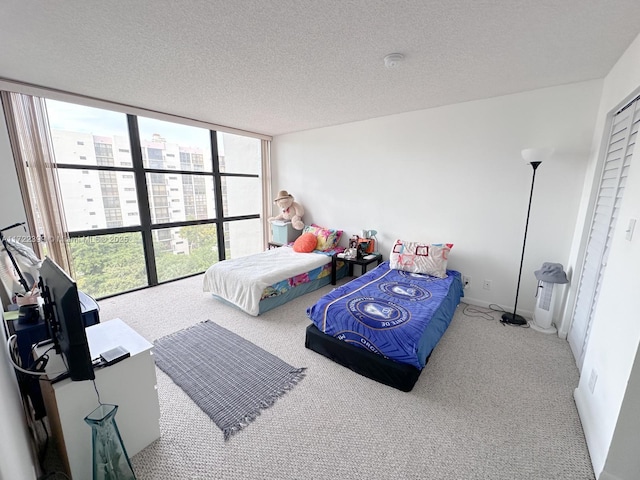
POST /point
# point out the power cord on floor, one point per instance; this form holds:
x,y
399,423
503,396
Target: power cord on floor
x,y
484,313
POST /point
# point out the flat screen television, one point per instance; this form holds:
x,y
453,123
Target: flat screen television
x,y
64,319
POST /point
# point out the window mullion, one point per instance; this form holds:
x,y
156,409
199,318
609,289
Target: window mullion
x,y
217,186
143,200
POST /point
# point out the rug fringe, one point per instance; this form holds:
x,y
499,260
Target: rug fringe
x,y
298,374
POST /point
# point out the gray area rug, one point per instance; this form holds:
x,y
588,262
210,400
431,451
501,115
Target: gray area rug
x,y
228,377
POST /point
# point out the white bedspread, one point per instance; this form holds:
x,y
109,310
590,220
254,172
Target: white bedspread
x,y
241,281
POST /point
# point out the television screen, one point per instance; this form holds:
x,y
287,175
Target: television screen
x,y
64,318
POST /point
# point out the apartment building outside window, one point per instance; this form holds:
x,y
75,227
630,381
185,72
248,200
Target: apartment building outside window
x,y
141,166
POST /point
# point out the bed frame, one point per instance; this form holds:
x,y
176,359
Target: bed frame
x,y
330,314
270,303
371,365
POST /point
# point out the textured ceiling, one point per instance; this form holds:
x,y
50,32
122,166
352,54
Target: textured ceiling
x,y
280,66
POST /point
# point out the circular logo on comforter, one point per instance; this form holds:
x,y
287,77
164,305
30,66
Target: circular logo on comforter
x,y
354,338
378,314
405,291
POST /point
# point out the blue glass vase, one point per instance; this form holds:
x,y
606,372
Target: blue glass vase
x,y
110,459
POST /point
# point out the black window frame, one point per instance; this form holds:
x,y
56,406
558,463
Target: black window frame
x,y
147,226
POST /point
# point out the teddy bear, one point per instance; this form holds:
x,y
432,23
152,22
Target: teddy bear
x,y
289,210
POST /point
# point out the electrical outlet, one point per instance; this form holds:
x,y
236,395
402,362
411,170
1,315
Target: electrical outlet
x,y
466,281
486,284
592,381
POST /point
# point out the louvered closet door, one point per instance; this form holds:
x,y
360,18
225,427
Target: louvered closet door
x,y
614,174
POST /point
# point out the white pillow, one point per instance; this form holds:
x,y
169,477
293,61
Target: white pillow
x,y
416,257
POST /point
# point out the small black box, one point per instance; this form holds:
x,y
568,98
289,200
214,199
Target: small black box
x,y
115,355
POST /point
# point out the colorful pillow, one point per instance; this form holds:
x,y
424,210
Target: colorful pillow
x,y
327,237
417,257
305,243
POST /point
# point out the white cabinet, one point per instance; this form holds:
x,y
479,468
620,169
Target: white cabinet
x,y
130,384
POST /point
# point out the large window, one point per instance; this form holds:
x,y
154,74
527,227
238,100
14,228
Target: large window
x,y
148,201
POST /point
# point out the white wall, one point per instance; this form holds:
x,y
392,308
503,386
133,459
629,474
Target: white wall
x,y
615,336
623,461
454,174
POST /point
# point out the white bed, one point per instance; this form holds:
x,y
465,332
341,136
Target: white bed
x,y
242,281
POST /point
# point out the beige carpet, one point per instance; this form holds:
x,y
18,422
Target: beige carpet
x,y
494,402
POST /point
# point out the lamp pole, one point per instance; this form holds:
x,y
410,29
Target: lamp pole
x,y
514,318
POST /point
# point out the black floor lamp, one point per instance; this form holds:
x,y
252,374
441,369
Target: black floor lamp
x,y
534,157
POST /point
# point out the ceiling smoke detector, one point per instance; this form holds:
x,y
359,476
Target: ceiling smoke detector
x,y
392,60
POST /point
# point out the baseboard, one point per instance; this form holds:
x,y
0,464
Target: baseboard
x,y
590,434
608,476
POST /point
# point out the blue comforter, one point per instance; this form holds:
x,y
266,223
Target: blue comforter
x,y
396,314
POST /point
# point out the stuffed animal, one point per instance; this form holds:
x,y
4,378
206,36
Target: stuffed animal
x,y
289,210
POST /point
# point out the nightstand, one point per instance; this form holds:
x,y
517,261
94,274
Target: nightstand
x,y
364,262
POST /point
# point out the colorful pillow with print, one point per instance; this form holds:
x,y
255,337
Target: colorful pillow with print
x,y
328,238
416,257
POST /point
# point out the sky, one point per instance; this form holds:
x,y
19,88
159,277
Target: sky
x,y
98,121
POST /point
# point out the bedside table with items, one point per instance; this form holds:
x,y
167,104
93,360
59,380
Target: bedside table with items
x,y
364,262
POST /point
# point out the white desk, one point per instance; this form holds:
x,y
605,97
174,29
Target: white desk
x,y
130,384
